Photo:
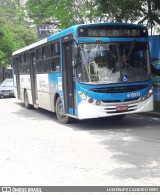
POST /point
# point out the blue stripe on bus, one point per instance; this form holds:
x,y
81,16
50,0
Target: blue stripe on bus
x,y
111,96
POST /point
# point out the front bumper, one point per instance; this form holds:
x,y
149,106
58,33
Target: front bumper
x,y
86,110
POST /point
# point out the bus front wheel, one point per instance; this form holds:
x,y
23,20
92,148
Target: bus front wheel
x,y
26,101
60,113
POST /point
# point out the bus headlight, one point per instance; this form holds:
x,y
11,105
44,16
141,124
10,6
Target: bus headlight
x,y
89,99
82,95
150,92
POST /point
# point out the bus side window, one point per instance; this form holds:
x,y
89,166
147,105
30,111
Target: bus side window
x,y
55,64
38,54
39,66
55,57
39,60
21,65
46,54
55,49
46,65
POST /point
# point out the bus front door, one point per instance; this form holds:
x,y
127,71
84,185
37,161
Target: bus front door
x,y
68,79
33,78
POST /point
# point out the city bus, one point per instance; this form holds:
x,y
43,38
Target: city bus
x,y
87,71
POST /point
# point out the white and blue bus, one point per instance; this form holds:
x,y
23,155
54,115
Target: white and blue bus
x,y
87,71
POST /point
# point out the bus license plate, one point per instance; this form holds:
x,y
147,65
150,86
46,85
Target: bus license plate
x,y
6,94
121,108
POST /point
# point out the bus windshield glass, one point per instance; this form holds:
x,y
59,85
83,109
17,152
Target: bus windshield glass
x,y
103,63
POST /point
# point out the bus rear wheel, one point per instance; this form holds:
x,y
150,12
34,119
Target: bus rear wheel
x,y
62,118
26,101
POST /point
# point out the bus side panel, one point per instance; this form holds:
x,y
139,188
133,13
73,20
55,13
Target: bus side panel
x,y
43,91
55,86
25,85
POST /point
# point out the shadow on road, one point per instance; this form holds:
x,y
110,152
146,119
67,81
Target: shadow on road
x,y
35,114
134,141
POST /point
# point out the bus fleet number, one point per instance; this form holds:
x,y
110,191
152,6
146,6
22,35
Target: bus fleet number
x,y
133,95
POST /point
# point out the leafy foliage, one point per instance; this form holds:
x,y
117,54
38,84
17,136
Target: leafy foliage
x,y
14,33
141,11
64,13
6,43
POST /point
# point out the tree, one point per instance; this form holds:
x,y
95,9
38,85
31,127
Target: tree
x,y
14,33
141,11
63,13
6,43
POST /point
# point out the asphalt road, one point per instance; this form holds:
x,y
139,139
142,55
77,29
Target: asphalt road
x,y
36,150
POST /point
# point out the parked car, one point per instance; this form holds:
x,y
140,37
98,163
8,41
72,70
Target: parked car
x,y
6,88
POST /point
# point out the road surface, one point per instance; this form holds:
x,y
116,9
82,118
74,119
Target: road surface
x,y
37,150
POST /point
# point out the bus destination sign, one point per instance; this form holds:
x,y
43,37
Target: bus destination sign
x,y
103,31
113,33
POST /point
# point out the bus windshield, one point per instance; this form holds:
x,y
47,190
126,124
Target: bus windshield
x,y
103,63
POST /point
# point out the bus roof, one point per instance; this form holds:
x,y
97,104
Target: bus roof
x,y
73,30
48,39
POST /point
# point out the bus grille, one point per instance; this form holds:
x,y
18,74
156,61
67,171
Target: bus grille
x,y
121,89
115,101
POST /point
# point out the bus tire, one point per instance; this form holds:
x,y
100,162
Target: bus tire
x,y
26,101
62,118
